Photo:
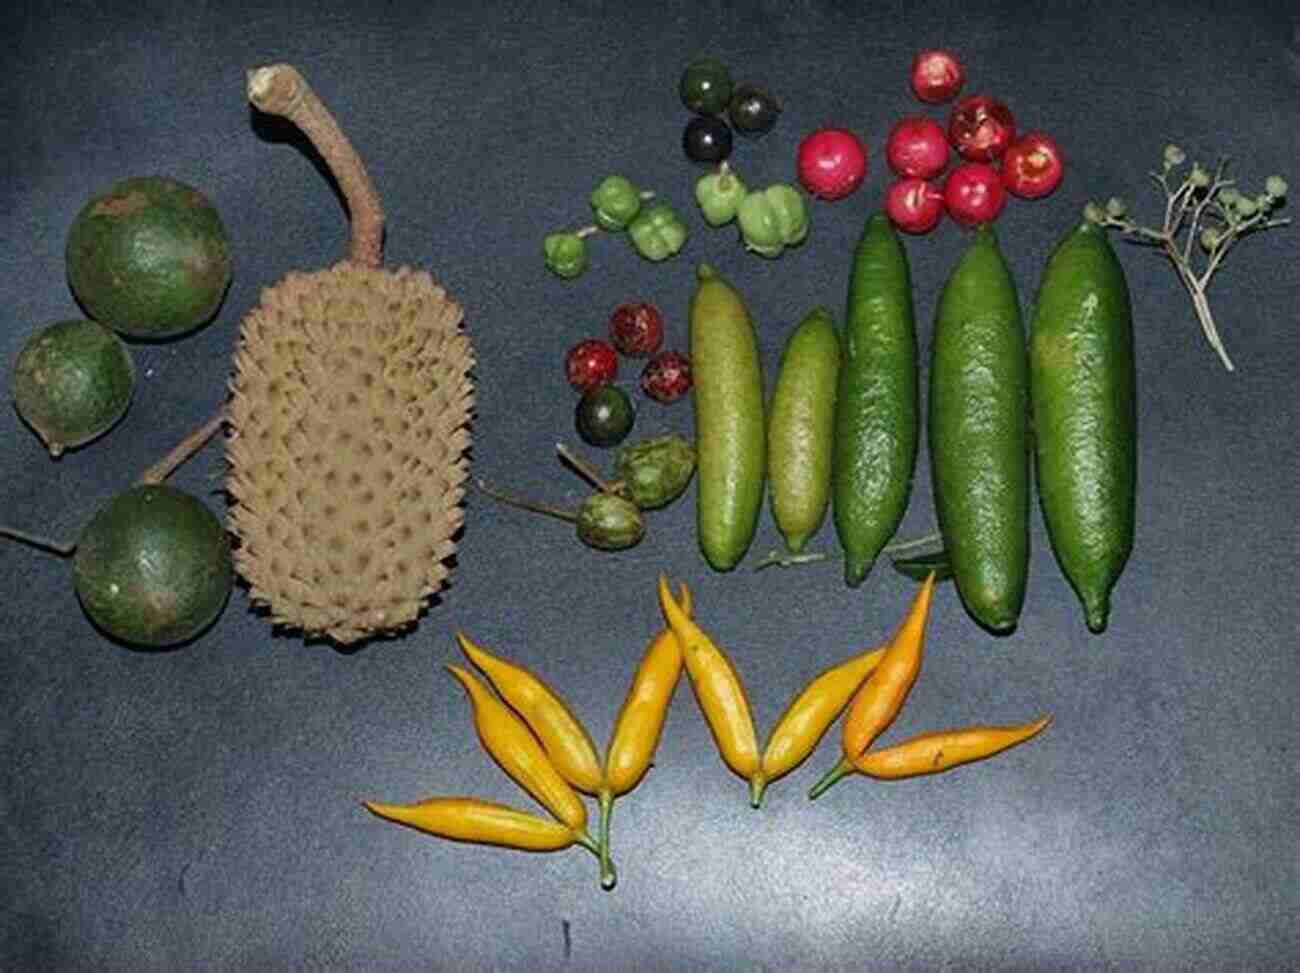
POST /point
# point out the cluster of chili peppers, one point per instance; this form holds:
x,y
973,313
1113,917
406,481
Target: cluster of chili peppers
x,y
538,741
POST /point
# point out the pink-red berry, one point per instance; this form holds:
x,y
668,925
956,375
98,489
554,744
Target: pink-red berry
x,y
637,329
937,76
832,162
667,376
591,363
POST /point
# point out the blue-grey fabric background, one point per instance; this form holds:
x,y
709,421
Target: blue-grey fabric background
x,y
199,808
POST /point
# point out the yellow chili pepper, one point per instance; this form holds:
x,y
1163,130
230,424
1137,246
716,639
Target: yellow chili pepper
x,y
565,740
933,753
811,713
514,747
484,822
640,722
882,695
719,691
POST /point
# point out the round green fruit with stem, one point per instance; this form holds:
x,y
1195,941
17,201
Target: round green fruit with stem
x,y
149,258
72,382
153,566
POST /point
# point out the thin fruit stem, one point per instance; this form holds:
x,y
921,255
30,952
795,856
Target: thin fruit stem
x,y
588,471
523,504
281,90
183,450
784,559
63,549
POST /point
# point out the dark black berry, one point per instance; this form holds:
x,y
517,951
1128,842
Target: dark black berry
x,y
707,139
753,111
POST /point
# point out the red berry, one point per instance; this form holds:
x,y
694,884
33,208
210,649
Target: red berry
x,y
914,205
832,162
981,128
1033,166
590,363
973,194
637,329
917,146
937,76
667,376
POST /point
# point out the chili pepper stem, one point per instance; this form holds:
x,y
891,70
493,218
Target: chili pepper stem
x,y
757,788
841,769
585,839
608,876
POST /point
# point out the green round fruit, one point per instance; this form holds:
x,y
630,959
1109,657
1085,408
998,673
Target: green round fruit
x,y
153,566
149,258
72,383
705,86
604,416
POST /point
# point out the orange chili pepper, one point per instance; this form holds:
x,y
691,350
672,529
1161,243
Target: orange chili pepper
x,y
718,690
882,695
811,713
483,822
933,753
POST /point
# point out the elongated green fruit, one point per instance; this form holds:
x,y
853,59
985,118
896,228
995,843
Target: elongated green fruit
x,y
877,408
800,428
978,456
729,428
1082,392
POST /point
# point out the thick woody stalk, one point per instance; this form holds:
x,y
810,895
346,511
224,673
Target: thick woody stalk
x,y
281,90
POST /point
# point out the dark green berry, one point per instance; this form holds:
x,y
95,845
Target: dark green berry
x,y
706,86
604,416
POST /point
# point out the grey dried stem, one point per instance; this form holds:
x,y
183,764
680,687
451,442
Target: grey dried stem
x,y
1195,214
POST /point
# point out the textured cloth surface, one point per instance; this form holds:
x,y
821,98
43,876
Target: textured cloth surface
x,y
200,808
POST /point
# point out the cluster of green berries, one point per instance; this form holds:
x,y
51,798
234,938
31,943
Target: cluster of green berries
x,y
770,219
653,227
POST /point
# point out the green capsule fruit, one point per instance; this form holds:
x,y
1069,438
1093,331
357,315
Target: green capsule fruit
x,y
657,232
773,219
149,258
614,202
719,195
72,382
609,523
566,254
657,471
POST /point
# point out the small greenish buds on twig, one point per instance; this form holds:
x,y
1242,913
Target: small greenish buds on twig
x,y
1204,208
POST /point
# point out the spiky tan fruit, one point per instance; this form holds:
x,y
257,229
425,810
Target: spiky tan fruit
x,y
349,415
